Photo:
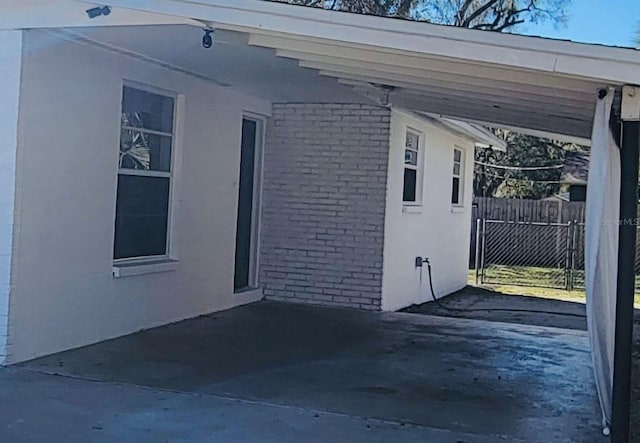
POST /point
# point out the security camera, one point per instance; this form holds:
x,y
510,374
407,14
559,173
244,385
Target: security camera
x,y
98,11
207,39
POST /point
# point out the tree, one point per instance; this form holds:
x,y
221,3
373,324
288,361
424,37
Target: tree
x,y
385,8
494,15
533,169
489,15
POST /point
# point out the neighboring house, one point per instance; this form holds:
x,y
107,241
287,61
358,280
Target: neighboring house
x,y
147,180
559,197
575,175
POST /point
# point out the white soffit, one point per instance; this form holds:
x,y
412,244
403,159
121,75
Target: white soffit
x,y
470,131
34,14
506,80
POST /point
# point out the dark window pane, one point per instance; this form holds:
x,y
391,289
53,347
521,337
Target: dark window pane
x,y
409,192
143,151
147,110
455,192
245,204
578,193
141,216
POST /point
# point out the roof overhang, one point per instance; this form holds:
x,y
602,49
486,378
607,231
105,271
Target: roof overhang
x,y
474,133
540,86
36,14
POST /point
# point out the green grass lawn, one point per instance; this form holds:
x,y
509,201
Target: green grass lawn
x,y
536,282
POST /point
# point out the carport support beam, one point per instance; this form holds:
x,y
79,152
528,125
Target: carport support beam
x,y
626,264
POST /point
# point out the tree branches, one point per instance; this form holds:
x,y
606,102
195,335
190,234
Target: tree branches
x,y
494,15
489,15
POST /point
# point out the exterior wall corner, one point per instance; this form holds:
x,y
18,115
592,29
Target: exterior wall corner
x,y
10,73
325,178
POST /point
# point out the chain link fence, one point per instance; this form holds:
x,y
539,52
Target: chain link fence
x,y
533,254
578,274
526,254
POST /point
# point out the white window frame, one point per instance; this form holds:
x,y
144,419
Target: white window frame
x,y
176,136
460,176
419,167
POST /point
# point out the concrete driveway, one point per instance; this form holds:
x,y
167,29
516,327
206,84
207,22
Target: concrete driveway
x,y
279,372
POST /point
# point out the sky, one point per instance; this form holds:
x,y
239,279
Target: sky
x,y
608,22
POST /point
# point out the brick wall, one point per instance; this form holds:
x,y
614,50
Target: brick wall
x,y
325,172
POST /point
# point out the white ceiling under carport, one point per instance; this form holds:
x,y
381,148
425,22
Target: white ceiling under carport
x,y
470,91
234,63
230,62
538,85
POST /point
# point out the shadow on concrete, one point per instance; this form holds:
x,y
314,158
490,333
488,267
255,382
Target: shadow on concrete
x,y
472,301
491,380
553,313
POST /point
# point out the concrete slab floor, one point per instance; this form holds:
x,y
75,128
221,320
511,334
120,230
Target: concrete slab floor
x,y
280,372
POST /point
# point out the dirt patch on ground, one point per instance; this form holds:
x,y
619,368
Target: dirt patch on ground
x,y
470,302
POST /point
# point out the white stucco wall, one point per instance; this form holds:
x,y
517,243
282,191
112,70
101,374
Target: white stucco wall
x,y
435,229
65,295
10,67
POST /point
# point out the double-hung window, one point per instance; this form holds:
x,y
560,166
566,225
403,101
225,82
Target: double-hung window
x,y
144,174
411,193
457,189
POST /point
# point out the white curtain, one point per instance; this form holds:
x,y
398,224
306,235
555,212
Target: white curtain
x,y
602,214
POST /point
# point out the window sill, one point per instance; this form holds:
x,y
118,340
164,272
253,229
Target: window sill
x,y
457,209
411,209
133,268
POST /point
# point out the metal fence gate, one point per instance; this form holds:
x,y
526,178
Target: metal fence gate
x,y
533,254
527,254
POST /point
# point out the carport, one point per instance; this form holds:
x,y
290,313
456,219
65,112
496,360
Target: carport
x,y
531,85
284,372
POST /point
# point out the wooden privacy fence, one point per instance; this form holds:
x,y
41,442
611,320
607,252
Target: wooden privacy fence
x,y
530,211
521,210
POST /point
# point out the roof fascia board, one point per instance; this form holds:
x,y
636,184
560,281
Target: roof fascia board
x,y
559,57
481,134
438,123
38,14
468,131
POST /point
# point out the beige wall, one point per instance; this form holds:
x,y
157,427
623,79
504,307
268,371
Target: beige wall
x,y
65,294
10,67
434,229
